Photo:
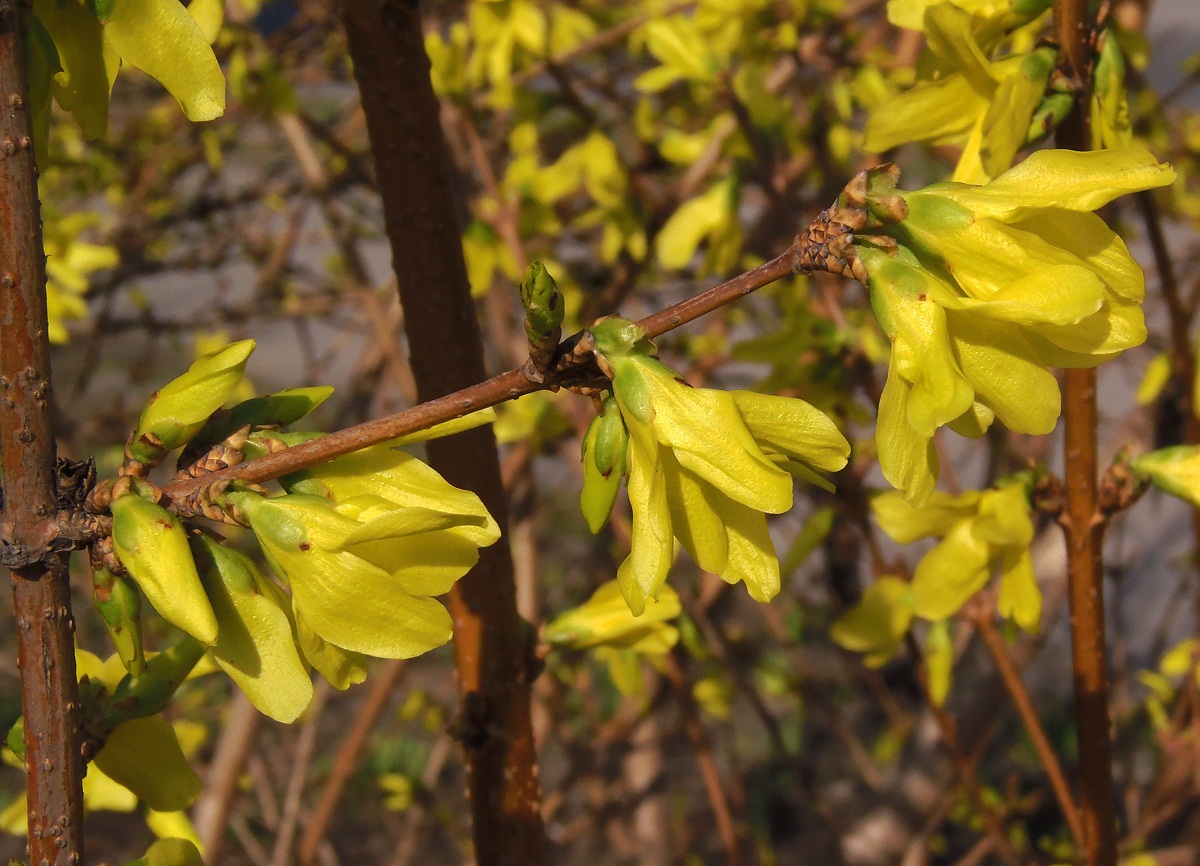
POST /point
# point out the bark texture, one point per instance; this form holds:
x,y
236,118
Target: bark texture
x,y
491,649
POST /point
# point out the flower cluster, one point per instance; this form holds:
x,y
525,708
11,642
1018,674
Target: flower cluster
x,y
964,98
982,288
705,467
363,542
981,532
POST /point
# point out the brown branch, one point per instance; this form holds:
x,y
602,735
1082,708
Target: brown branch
x,y
211,813
346,760
498,389
300,758
702,744
41,590
1082,522
1029,718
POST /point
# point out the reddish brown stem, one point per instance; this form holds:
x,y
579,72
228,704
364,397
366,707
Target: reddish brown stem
x,y
346,760
705,759
1082,522
1084,531
1032,722
420,217
41,590
470,398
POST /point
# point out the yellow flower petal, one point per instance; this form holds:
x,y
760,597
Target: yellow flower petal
x,y
951,573
144,756
1074,180
877,624
163,40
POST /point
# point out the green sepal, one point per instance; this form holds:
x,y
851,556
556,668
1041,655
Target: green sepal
x,y
617,337
256,644
180,409
153,547
120,606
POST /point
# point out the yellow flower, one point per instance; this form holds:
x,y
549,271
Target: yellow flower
x,y
605,620
363,571
982,288
980,531
964,98
706,466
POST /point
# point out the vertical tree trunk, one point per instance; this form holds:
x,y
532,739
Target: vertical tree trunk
x,y
41,589
491,651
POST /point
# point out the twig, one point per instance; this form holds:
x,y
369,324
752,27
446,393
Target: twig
x,y
346,760
301,757
964,766
702,745
1029,717
506,386
416,814
1082,522
220,784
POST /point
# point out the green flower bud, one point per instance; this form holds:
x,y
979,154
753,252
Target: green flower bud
x,y
153,547
120,607
543,303
179,409
604,455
